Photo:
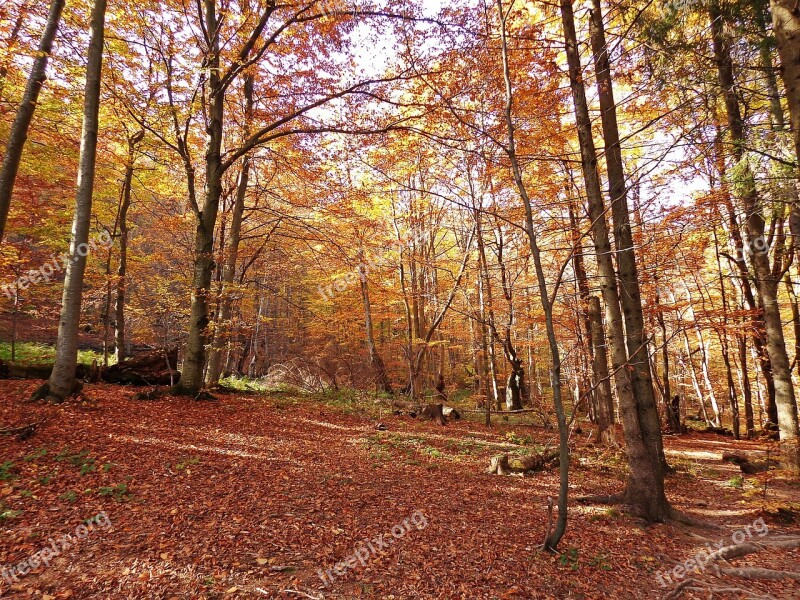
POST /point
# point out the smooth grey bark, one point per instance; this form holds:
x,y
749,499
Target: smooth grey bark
x,y
214,368
62,380
22,121
206,218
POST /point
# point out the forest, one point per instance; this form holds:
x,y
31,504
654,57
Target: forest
x,y
399,299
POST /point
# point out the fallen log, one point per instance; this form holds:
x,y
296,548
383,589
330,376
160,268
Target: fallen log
x,y
159,367
502,464
22,432
748,464
11,370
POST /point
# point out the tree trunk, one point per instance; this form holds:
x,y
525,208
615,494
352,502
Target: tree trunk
x,y
786,28
222,325
378,366
19,130
630,293
645,486
766,282
747,392
122,269
206,218
12,40
733,400
62,380
553,537
602,378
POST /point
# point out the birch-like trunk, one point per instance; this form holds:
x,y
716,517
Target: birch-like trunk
x,y
62,380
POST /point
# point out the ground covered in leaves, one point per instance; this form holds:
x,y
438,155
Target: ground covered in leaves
x,y
263,496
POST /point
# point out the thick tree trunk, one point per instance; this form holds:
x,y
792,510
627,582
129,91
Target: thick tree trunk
x,y
22,122
645,486
222,324
766,282
630,293
206,218
62,380
786,28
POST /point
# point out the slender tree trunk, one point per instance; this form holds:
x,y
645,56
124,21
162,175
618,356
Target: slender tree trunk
x,y
602,383
10,46
378,366
553,537
487,303
22,122
585,327
62,380
747,392
122,269
795,319
645,486
733,400
673,417
695,382
766,282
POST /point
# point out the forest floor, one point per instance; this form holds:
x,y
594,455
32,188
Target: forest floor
x,y
258,496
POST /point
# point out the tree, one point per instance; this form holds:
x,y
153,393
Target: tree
x,y
644,490
767,278
22,121
62,380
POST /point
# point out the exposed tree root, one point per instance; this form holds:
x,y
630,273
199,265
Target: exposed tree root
x,y
740,550
611,500
727,553
678,590
43,392
687,519
693,584
759,573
